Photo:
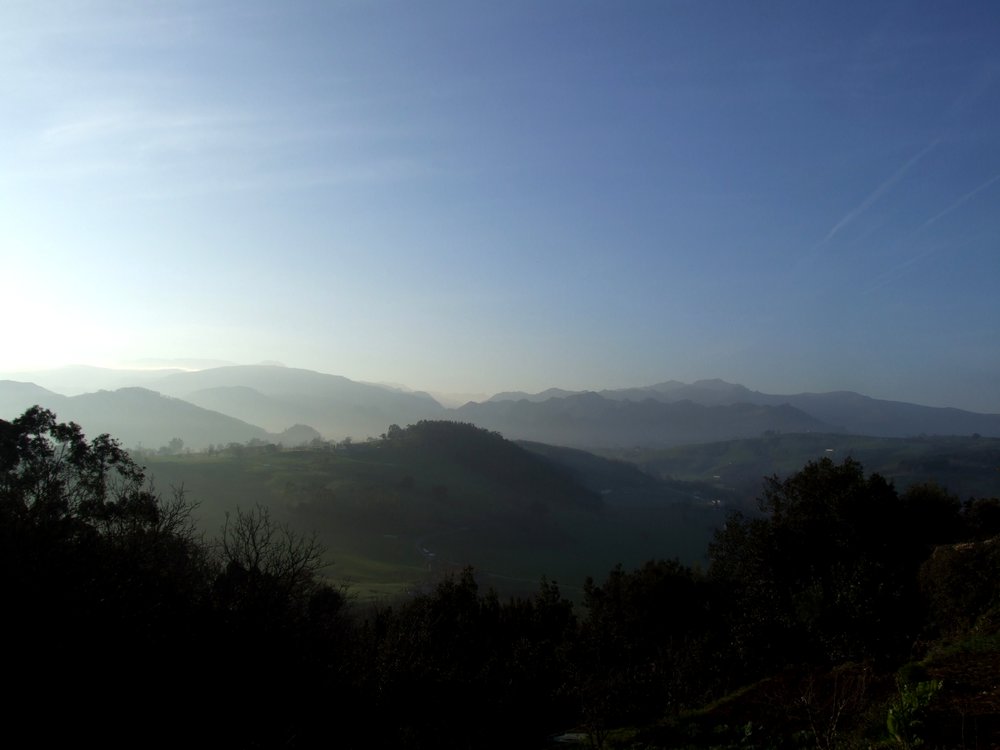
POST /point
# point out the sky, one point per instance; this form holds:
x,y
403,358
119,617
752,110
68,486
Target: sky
x,y
484,196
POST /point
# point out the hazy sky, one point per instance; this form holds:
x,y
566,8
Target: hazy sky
x,y
483,196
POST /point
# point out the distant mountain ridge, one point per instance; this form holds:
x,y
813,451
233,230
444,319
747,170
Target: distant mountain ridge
x,y
705,392
270,398
533,397
844,411
74,380
277,397
236,403
589,420
134,416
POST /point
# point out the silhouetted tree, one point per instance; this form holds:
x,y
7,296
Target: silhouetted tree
x,y
105,578
961,585
829,572
982,517
643,642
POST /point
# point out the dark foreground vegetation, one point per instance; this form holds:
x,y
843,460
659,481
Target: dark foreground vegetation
x,y
846,615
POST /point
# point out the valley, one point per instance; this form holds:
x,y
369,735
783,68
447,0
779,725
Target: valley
x,y
559,484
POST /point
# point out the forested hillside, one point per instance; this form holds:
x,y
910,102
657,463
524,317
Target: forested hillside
x,y
847,614
398,511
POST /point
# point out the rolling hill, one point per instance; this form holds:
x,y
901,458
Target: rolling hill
x,y
397,513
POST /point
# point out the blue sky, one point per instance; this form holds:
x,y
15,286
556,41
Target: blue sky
x,y
482,196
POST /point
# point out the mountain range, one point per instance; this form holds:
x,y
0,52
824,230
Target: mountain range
x,y
242,403
841,411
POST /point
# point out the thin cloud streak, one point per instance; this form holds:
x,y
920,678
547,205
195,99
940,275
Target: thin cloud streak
x,y
875,195
959,203
197,152
901,268
378,172
141,129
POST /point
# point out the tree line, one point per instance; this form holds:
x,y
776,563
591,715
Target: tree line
x,y
810,626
